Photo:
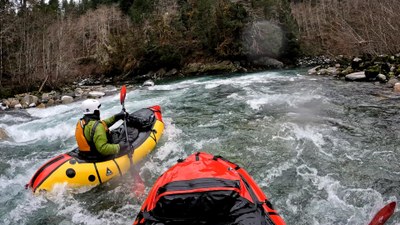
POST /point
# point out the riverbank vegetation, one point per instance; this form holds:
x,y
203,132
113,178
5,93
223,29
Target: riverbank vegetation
x,y
46,45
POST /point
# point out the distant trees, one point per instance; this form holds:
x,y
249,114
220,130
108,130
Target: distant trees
x,y
47,44
348,27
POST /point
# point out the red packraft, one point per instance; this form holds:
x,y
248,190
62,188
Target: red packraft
x,y
206,189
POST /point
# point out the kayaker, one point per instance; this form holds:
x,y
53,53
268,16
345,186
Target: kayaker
x,y
92,135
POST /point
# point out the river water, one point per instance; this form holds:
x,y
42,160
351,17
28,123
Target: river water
x,y
324,151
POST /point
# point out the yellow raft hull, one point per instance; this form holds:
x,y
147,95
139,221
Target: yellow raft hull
x,y
75,172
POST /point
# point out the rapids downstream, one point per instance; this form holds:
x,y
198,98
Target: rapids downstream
x,y
324,151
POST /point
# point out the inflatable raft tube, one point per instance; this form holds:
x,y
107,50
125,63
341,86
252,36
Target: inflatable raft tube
x,y
75,171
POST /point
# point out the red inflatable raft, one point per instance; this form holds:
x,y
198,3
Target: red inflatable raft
x,y
207,189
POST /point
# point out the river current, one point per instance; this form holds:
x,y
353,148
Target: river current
x,y
324,151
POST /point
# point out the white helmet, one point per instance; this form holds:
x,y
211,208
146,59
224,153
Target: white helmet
x,y
89,106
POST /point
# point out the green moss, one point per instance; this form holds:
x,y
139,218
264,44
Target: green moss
x,y
372,71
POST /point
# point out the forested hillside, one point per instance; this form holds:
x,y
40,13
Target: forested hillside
x,y
45,45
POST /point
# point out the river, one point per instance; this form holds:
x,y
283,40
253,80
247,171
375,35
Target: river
x,y
324,151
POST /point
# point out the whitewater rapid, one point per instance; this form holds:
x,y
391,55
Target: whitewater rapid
x,y
324,151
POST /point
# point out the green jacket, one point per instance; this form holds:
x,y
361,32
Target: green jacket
x,y
100,137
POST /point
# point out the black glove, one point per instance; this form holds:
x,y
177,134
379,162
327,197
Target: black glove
x,y
121,115
124,147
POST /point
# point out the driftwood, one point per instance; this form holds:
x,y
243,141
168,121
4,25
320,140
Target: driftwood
x,y
44,82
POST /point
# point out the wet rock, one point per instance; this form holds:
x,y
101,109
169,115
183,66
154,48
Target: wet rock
x,y
66,99
392,82
3,134
356,63
396,88
313,71
210,68
372,72
6,103
29,99
160,73
171,73
13,103
18,106
358,76
45,97
32,105
347,71
381,78
2,107
96,94
78,92
268,62
50,102
148,83
41,105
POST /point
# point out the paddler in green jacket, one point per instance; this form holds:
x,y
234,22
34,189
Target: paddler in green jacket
x,y
92,134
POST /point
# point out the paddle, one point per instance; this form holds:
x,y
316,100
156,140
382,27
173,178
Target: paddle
x,y
138,188
384,214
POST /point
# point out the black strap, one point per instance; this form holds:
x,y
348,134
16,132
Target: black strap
x,y
93,148
197,156
94,130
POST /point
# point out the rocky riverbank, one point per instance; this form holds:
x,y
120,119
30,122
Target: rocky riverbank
x,y
97,88
64,96
384,69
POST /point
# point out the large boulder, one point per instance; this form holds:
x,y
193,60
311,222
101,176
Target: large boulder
x,y
67,99
268,62
357,76
210,68
29,99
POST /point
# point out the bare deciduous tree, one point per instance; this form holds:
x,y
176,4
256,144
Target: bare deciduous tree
x,y
348,27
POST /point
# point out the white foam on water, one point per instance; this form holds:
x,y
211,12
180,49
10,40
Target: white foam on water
x,y
235,96
14,182
257,100
352,203
31,204
277,171
239,81
178,85
53,111
14,118
292,207
28,133
314,134
171,144
199,144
